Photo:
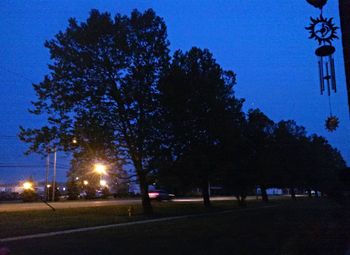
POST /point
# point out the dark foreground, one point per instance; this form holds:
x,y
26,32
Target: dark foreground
x,y
292,227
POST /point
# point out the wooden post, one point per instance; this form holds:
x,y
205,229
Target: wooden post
x,y
344,13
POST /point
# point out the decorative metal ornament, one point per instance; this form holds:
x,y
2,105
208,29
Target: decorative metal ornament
x,y
326,68
317,3
332,123
323,30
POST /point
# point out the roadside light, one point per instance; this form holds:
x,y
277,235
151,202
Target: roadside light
x,y
27,186
103,183
85,182
48,186
74,141
100,169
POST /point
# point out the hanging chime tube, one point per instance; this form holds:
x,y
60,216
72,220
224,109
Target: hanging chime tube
x,y
334,85
328,78
320,71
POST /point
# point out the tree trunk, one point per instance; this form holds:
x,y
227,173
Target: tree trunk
x,y
292,194
205,194
146,202
264,195
241,200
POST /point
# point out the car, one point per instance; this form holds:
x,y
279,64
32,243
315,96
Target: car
x,y
160,194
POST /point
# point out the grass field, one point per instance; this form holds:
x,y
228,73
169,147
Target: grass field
x,y
38,221
315,226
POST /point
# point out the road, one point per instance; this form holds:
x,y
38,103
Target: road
x,y
19,206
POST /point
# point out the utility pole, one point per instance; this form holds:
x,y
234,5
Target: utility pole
x,y
47,175
54,173
344,14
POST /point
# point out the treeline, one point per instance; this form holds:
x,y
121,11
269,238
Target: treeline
x,y
114,89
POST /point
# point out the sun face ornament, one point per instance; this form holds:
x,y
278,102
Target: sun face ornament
x,y
332,123
323,30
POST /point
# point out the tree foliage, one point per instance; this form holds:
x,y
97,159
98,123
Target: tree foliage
x,y
114,89
102,86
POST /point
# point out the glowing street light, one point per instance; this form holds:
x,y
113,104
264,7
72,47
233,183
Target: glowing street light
x,y
100,169
28,185
103,183
85,182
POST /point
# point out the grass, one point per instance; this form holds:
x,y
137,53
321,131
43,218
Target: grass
x,y
315,226
39,221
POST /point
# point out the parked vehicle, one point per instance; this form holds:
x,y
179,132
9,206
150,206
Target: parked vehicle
x,y
160,194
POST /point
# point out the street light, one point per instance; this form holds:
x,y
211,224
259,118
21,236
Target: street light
x,y
103,183
28,185
100,169
85,182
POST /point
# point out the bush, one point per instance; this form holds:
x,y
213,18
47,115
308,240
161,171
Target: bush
x,y
29,196
9,196
90,193
73,190
105,192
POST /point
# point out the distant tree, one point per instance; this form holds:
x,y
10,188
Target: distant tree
x,y
260,136
199,107
105,192
73,189
29,195
238,176
104,74
290,154
90,192
325,164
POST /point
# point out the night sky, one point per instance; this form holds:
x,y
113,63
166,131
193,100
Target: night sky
x,y
264,42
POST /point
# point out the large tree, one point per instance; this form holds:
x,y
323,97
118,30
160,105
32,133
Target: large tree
x,y
199,109
105,71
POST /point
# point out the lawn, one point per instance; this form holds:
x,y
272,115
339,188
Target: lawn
x,y
315,226
39,221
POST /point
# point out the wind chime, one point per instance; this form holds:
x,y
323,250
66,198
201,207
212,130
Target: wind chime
x,y
324,31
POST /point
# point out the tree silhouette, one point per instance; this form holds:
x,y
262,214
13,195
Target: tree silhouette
x,y
104,72
199,107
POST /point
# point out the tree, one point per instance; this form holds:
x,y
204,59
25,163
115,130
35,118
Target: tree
x,y
260,135
325,164
72,189
199,107
288,151
104,73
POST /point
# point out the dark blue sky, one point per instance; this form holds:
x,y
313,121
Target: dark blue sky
x,y
263,41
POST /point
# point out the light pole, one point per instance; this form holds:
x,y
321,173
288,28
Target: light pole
x,y
47,175
54,173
